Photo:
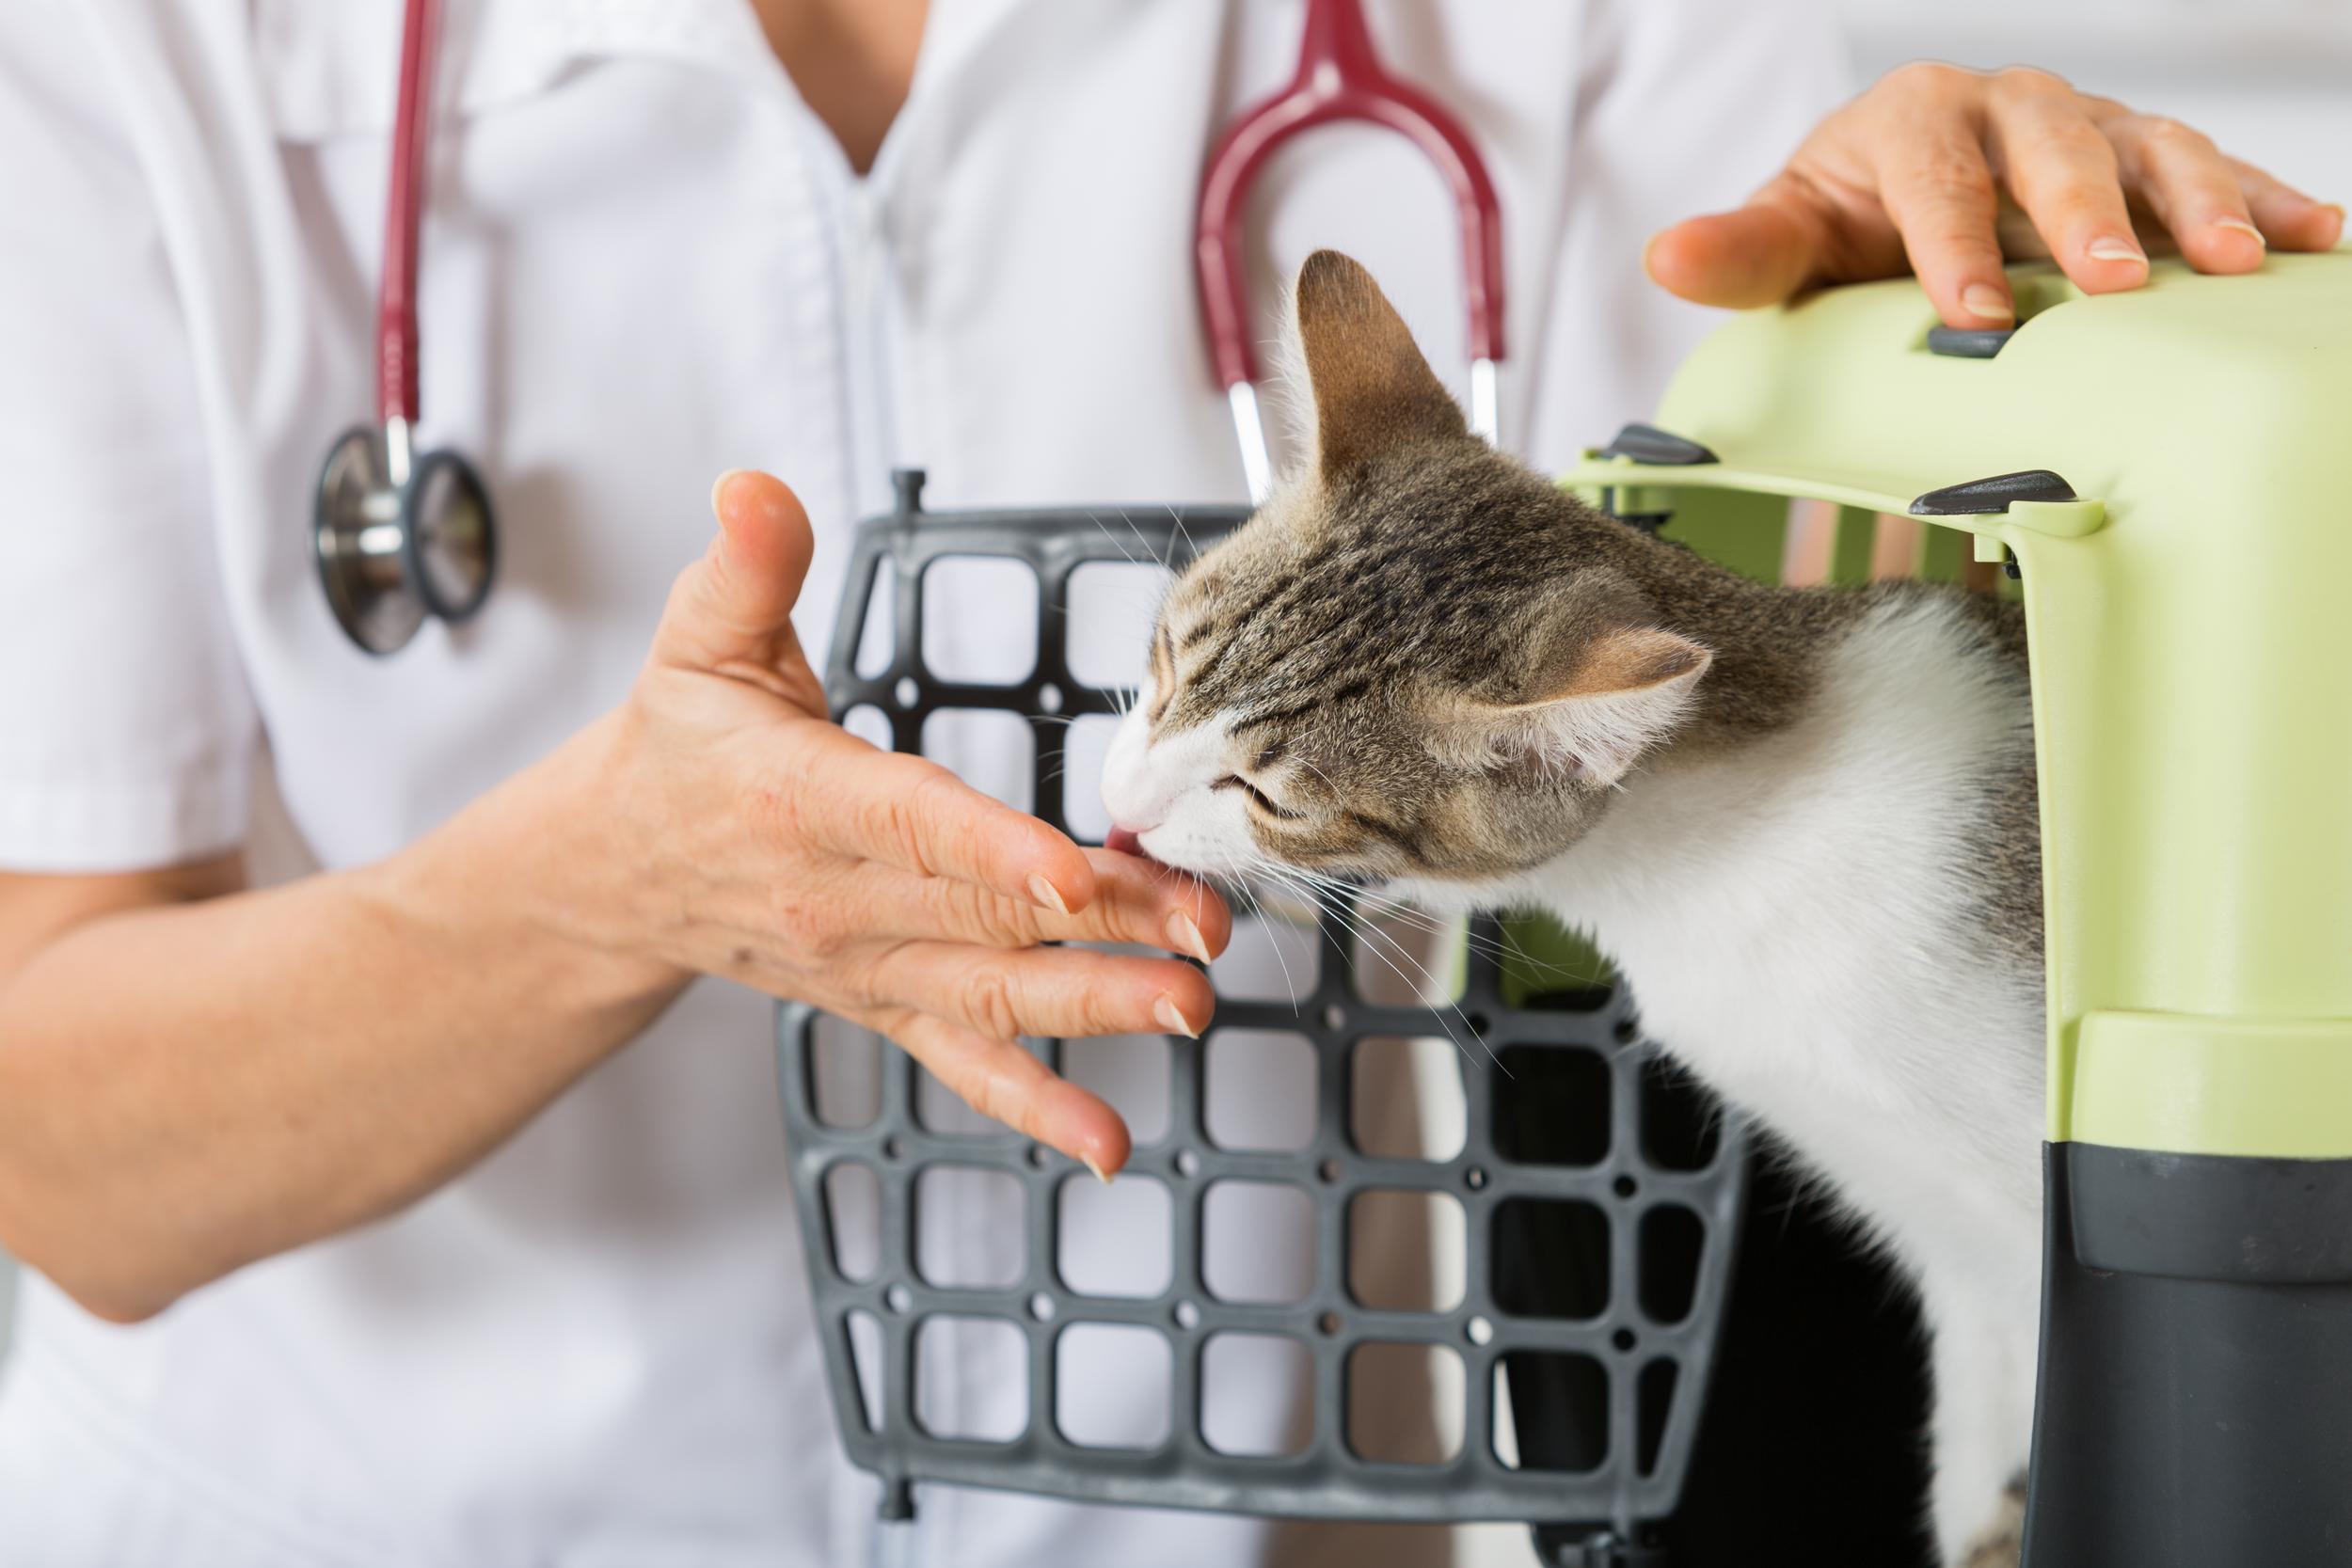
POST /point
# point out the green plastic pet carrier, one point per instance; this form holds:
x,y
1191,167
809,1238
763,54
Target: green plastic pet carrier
x,y
2165,472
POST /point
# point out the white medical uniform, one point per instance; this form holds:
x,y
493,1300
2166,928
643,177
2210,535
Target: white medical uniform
x,y
645,261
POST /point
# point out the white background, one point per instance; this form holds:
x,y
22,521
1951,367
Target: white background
x,y
2271,80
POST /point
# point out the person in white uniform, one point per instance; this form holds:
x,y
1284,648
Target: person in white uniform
x,y
387,1109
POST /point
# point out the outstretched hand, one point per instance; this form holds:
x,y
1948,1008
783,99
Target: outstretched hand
x,y
770,846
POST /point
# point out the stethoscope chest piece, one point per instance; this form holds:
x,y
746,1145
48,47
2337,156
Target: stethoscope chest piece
x,y
396,541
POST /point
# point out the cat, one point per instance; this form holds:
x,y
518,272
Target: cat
x,y
1799,821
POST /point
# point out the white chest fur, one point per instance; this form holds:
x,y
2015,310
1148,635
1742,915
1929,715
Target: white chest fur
x,y
1797,924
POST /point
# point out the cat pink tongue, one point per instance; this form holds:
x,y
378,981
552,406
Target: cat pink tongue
x,y
1124,841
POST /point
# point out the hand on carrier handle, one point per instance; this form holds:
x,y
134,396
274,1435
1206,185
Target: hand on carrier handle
x,y
759,841
1946,172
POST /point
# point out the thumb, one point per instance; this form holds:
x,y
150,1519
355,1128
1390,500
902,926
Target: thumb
x,y
1760,253
735,604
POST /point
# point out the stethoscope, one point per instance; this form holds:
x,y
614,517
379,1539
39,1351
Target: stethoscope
x,y
400,536
1340,77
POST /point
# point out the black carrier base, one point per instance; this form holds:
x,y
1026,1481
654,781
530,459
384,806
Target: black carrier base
x,y
2195,1406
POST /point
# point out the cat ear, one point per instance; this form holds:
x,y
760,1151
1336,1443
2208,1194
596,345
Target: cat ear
x,y
1626,689
1372,387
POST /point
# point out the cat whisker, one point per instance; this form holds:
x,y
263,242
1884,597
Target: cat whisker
x,y
1159,558
1124,552
1424,988
1192,549
1411,915
1427,986
1266,918
1370,940
1422,919
1370,930
1244,892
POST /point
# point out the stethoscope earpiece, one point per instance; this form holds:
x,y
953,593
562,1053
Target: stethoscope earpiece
x,y
394,547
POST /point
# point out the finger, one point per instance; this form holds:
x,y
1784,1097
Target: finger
x,y
1060,991
913,815
1757,255
2061,169
1193,917
1135,902
1003,1082
2062,175
2287,217
734,605
2191,188
1938,190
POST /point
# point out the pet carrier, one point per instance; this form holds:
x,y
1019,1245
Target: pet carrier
x,y
2164,470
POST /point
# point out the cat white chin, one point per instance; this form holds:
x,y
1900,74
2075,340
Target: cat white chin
x,y
1166,783
1204,834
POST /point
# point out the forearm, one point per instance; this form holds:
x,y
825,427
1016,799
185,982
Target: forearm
x,y
185,1089
192,1078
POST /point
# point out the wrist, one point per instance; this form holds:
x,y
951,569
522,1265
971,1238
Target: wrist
x,y
526,872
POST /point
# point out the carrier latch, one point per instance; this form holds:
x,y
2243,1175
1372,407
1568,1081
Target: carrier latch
x,y
1978,498
1647,443
1969,342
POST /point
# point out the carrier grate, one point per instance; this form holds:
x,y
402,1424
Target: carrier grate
x,y
1595,1259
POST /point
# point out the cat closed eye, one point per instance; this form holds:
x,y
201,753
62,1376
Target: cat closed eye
x,y
1258,798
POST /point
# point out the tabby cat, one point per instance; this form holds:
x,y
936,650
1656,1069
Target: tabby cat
x,y
1801,822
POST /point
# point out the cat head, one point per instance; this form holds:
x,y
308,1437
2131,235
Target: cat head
x,y
1418,660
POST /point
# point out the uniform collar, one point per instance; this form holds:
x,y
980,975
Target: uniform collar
x,y
722,35
329,69
523,44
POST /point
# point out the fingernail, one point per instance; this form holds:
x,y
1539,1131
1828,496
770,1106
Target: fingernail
x,y
1984,300
2242,227
2113,249
2335,207
719,485
1185,937
1100,1174
1165,1012
1048,896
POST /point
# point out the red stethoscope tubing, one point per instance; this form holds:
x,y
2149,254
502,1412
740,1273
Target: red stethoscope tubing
x,y
1339,78
396,297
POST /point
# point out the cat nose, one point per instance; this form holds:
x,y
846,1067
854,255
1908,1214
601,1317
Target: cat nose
x,y
1124,840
